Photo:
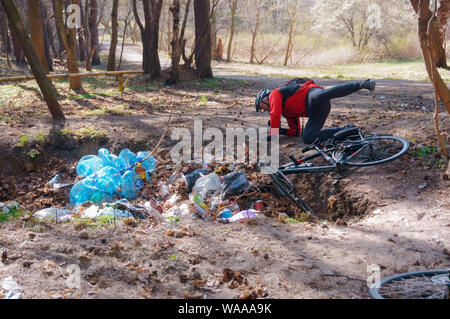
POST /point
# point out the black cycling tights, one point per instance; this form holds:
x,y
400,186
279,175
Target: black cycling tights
x,y
318,107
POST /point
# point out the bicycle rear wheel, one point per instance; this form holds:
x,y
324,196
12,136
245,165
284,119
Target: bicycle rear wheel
x,y
433,284
375,150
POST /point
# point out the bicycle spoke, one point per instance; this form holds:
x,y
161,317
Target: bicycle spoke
x,y
420,286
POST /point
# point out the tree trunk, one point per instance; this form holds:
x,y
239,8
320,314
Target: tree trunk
x,y
437,38
80,34
6,47
134,36
47,89
127,22
255,33
69,40
213,34
112,49
61,47
441,90
176,49
150,36
202,39
233,8
47,40
169,29
291,35
87,37
220,50
93,28
182,42
36,31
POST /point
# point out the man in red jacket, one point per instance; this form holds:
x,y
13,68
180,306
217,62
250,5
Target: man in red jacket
x,y
303,98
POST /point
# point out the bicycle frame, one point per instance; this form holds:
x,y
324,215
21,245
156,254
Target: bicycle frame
x,y
334,165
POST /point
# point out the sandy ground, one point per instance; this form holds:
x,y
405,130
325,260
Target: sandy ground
x,y
386,219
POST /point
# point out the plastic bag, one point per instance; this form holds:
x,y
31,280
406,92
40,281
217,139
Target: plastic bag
x,y
53,213
246,214
235,184
192,178
207,185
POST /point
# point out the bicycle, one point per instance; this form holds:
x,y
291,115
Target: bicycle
x,y
347,148
431,284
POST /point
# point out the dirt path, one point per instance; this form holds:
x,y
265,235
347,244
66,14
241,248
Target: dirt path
x,y
383,218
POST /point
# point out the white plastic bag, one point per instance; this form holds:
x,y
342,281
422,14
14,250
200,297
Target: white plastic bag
x,y
206,185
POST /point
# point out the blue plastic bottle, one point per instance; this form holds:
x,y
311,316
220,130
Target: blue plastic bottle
x,y
80,194
104,154
88,165
131,184
128,156
107,180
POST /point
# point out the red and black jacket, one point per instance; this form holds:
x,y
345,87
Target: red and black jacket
x,y
292,108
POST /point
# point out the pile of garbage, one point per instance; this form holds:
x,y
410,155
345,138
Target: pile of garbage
x,y
111,186
211,197
107,175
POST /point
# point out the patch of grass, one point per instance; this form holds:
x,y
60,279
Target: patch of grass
x,y
203,99
292,220
81,97
64,133
424,151
90,134
14,212
33,153
40,137
173,219
99,223
107,111
23,140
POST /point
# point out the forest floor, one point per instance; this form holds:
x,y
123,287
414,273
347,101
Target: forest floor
x,y
395,216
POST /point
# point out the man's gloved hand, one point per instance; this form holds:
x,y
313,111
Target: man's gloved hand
x,y
283,131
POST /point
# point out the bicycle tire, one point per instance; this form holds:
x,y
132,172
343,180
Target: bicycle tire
x,y
403,147
287,191
418,285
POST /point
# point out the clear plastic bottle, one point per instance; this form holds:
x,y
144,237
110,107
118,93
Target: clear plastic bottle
x,y
88,165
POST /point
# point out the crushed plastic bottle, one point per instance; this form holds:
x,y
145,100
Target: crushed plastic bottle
x,y
128,157
80,193
106,180
130,185
88,165
106,157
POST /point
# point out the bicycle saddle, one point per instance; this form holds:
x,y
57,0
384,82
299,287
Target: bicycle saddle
x,y
345,132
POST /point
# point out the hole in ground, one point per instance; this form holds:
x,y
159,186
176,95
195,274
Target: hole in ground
x,y
332,202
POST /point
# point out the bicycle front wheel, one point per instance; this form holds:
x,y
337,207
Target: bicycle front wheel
x,y
433,284
376,150
286,189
